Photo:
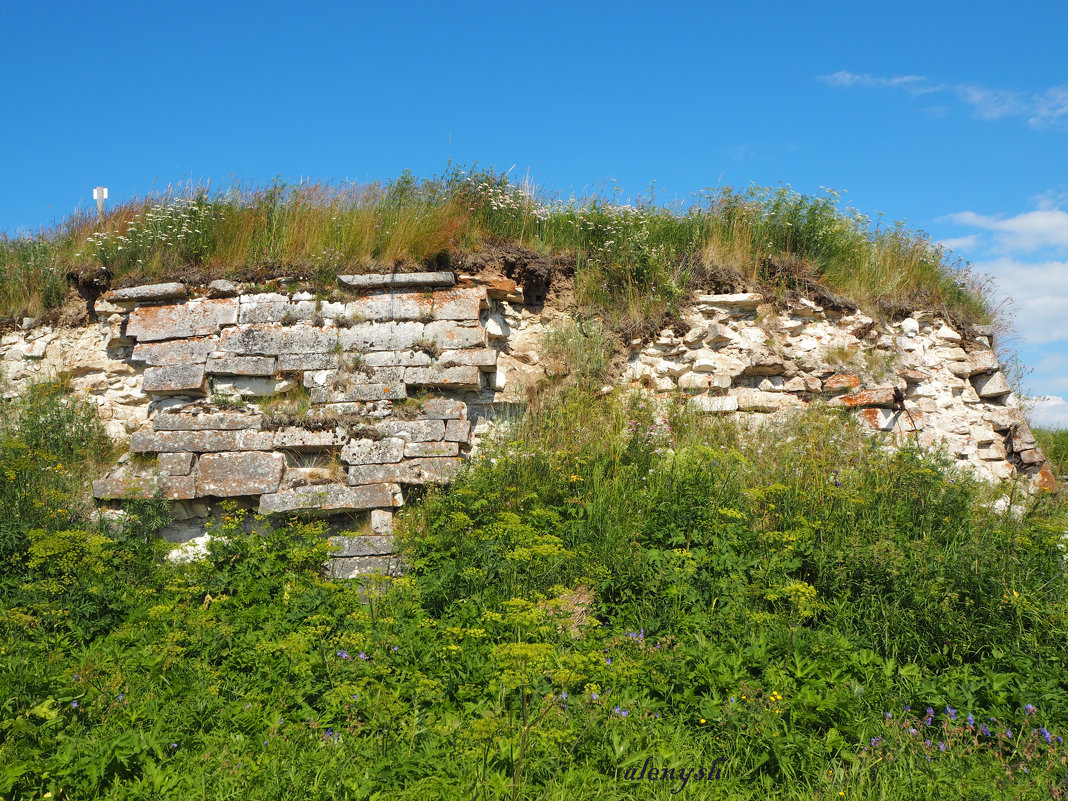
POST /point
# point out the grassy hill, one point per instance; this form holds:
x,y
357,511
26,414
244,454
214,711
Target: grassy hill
x,y
618,599
795,612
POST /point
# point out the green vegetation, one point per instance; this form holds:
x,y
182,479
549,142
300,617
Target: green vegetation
x,y
613,585
1054,444
633,261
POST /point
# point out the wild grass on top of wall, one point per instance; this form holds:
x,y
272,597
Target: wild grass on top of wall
x,y
632,257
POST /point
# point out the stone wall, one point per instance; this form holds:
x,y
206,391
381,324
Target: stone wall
x,y
290,402
917,379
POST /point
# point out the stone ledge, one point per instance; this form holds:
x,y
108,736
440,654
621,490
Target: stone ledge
x,y
368,281
332,497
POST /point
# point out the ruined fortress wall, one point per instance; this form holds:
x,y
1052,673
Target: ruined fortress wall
x,y
293,403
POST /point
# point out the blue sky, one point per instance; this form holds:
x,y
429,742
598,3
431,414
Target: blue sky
x,y
952,116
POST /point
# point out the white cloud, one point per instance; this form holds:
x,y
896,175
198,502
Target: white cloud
x,y
846,79
1030,231
1039,291
960,242
1049,411
1040,110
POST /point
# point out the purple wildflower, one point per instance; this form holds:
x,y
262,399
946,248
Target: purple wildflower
x,y
951,713
941,746
1046,735
1030,709
343,654
971,721
930,716
73,704
985,731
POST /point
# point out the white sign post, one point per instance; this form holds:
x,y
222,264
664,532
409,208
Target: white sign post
x,y
100,194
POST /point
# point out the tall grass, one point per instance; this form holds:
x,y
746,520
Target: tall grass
x,y
632,260
774,600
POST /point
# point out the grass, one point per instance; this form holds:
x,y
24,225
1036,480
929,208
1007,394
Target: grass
x,y
794,611
1054,444
632,260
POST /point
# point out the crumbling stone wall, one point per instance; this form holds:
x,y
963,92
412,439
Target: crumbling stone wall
x,y
292,403
917,379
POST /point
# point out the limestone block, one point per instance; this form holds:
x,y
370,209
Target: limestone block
x,y
175,464
449,335
382,522
471,357
742,302
910,327
448,304
369,281
969,395
177,379
292,438
670,368
880,396
460,378
271,339
991,385
775,383
122,484
714,404
982,361
360,392
366,337
754,400
38,348
413,430
766,364
962,369
413,471
228,475
277,311
458,431
806,308
841,382
199,420
192,319
397,358
881,419
200,441
367,451
296,362
1030,457
250,386
345,568
1022,438
364,545
947,333
421,449
331,497
991,451
442,409
497,327
936,357
146,294
694,336
503,289
719,382
242,365
694,382
221,288
177,351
